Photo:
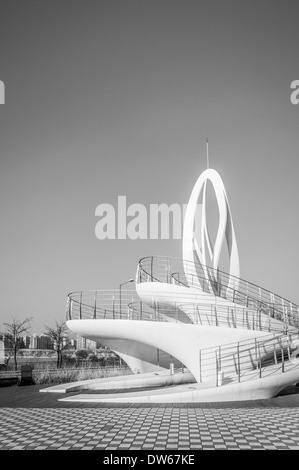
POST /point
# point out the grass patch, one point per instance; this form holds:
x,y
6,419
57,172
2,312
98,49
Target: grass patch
x,y
59,376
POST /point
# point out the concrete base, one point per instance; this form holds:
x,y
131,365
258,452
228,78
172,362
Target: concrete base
x,y
252,387
152,379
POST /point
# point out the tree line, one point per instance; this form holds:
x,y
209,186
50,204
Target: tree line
x,y
14,332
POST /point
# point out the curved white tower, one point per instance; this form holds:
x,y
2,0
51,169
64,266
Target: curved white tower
x,y
197,247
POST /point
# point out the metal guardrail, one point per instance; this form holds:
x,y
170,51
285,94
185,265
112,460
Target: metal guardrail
x,y
105,304
249,359
99,304
236,359
253,308
172,271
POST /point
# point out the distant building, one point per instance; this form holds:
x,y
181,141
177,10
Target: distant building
x,y
73,343
33,341
6,341
26,341
90,344
44,342
83,343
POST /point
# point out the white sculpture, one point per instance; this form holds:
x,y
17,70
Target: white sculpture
x,y
201,322
198,251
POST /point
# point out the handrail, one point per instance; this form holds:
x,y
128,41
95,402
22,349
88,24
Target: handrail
x,y
210,269
245,305
104,304
249,359
246,293
240,361
94,303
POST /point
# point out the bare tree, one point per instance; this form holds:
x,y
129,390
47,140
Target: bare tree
x,y
58,335
13,335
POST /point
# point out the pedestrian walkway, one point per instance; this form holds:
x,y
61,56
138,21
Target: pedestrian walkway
x,y
33,421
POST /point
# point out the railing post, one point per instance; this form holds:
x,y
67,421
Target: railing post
x,y
216,368
285,311
282,360
80,311
152,263
275,356
260,361
255,350
238,362
216,316
70,309
95,305
291,314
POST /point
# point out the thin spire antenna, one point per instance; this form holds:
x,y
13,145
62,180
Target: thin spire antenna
x,y
207,145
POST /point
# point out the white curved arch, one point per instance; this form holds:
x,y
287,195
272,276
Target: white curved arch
x,y
197,252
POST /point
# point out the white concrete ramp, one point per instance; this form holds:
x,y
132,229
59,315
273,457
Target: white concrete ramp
x,y
161,378
230,390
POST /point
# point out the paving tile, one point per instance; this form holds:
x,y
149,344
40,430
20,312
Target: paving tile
x,y
207,426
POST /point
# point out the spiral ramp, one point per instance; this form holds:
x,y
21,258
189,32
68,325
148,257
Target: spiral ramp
x,y
197,344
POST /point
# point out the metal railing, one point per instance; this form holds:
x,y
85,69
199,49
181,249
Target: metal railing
x,y
99,304
239,361
220,284
249,359
105,304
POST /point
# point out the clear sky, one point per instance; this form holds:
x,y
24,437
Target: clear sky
x,y
116,97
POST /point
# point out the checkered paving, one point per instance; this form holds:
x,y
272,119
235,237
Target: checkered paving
x,y
147,428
